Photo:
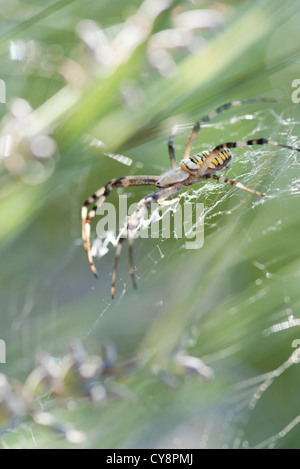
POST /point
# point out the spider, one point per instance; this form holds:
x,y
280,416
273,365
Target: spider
x,y
192,169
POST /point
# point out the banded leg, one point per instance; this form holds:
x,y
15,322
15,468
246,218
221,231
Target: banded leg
x,y
86,218
99,197
242,143
172,151
133,223
213,114
130,257
169,202
232,183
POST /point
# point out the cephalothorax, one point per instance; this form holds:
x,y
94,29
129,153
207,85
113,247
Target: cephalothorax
x,y
191,170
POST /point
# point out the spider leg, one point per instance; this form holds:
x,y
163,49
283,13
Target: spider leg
x,y
132,224
172,151
100,197
86,217
242,143
232,183
212,115
169,202
130,256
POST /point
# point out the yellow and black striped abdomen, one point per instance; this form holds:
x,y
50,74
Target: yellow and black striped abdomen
x,y
220,162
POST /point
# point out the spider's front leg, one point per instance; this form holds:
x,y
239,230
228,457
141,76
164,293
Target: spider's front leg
x,y
86,218
132,225
98,198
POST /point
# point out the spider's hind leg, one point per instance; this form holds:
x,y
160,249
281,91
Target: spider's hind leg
x,y
238,144
232,183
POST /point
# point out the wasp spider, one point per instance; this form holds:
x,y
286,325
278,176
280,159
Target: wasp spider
x,y
191,170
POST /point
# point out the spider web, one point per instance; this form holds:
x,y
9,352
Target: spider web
x,y
47,307
276,172
260,168
253,164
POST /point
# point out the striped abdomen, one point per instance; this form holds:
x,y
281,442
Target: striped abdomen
x,y
220,162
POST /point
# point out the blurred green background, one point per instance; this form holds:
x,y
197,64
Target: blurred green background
x,y
125,72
